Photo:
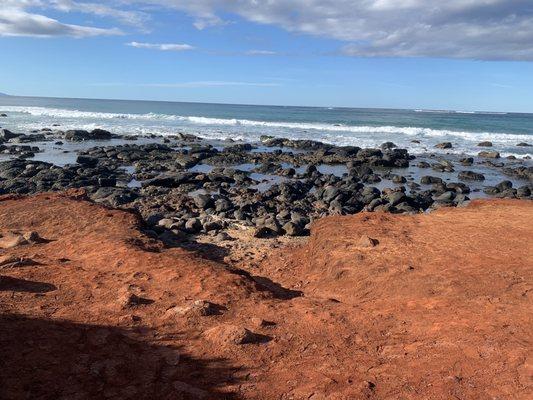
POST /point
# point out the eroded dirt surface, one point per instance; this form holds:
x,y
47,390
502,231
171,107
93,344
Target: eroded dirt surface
x,y
373,306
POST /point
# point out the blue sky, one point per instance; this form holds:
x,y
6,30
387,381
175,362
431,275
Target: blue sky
x,y
467,55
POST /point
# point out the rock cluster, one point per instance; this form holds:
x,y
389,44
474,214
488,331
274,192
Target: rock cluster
x,y
187,186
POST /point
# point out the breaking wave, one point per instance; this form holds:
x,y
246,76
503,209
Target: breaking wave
x,y
154,118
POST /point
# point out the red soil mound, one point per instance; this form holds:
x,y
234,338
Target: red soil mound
x,y
436,307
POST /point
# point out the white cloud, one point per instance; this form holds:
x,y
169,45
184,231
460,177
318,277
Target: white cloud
x,y
470,29
128,17
261,53
161,46
475,29
15,21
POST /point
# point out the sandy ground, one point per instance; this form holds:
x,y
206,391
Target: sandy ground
x,y
372,306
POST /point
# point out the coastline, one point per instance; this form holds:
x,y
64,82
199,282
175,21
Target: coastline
x,y
186,188
213,269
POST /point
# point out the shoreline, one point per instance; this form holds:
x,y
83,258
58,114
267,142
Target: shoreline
x,y
189,189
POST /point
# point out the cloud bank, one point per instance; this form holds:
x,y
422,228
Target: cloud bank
x,y
468,29
15,20
463,29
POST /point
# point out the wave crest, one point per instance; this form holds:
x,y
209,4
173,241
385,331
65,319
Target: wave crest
x,y
295,126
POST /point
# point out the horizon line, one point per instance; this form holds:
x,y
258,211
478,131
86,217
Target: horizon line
x,y
422,109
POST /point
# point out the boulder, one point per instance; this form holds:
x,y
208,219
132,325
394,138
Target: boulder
x,y
470,176
504,185
428,180
87,161
6,134
444,145
79,135
292,229
203,201
489,154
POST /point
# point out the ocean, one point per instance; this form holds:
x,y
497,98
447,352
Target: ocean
x,y
340,126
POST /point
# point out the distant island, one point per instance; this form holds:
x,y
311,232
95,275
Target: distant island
x,y
3,94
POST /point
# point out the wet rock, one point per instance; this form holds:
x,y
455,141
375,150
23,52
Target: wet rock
x,y
523,192
372,205
330,192
388,145
524,144
398,179
6,135
428,180
443,166
87,161
468,161
491,190
521,172
238,148
485,144
507,193
470,176
458,187
446,197
489,154
79,135
444,145
395,198
171,180
504,185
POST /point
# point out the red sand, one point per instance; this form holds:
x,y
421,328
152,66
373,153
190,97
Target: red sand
x,y
440,308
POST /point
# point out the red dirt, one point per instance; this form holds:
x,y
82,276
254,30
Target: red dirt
x,y
439,308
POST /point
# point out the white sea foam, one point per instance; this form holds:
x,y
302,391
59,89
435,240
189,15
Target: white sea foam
x,y
246,129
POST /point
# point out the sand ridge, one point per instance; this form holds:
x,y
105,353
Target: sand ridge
x,y
437,306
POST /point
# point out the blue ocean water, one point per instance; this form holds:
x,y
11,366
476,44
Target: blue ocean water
x,y
342,126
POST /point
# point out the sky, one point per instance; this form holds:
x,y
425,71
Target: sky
x,y
432,54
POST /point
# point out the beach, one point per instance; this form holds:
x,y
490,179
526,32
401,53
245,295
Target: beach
x,y
182,265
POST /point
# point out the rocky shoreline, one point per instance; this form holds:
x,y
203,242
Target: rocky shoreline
x,y
184,186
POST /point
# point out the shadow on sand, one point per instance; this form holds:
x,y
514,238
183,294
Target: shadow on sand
x,y
50,359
